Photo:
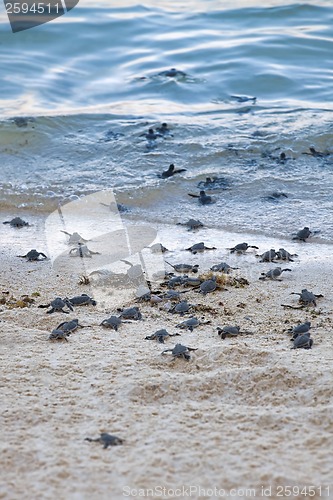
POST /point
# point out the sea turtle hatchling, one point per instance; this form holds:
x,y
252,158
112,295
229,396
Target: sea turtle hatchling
x,y
203,198
57,305
17,222
191,224
273,274
223,267
299,329
180,351
208,286
161,335
172,73
69,327
106,440
58,335
82,300
268,256
199,247
130,313
181,308
184,268
171,171
74,238
283,254
303,234
191,323
307,298
158,248
33,255
228,331
241,248
164,130
81,250
113,322
303,341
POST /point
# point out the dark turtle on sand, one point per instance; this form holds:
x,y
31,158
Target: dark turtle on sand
x,y
268,256
130,313
192,281
175,280
184,268
303,234
300,329
191,224
282,254
17,222
69,326
82,300
171,171
57,305
161,335
203,198
191,323
273,274
208,286
303,341
58,335
113,322
241,248
306,298
228,331
33,255
81,250
181,308
180,351
199,247
164,130
158,248
172,73
74,238
223,267
106,440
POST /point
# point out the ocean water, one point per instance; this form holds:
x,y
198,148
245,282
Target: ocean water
x,y
79,93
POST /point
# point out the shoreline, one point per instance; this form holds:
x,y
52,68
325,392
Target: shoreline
x,y
244,412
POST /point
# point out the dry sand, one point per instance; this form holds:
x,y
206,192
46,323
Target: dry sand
x,y
242,413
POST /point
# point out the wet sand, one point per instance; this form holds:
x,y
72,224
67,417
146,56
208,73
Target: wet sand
x,y
244,412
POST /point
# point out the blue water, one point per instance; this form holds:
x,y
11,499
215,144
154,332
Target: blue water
x,y
88,85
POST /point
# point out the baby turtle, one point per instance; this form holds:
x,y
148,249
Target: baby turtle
x,y
33,255
191,224
181,308
184,268
199,247
81,250
273,274
82,300
131,313
300,329
171,171
180,351
74,238
175,280
69,327
223,267
214,183
203,198
208,286
161,335
164,130
113,322
282,254
191,281
151,136
191,323
303,341
307,298
303,234
228,331
243,98
106,440
158,248
268,256
58,335
314,152
241,248
57,305
135,272
172,73
17,222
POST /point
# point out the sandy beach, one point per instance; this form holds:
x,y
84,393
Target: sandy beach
x,y
243,414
